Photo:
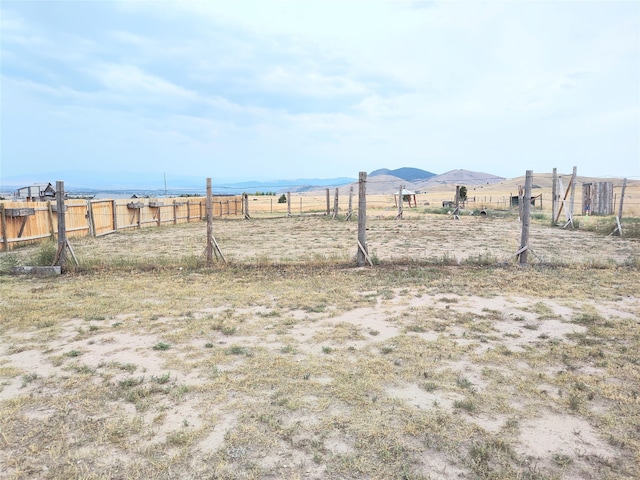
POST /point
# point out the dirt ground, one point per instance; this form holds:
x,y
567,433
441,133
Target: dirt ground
x,y
443,361
417,238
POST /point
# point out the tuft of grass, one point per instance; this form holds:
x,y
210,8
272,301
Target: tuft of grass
x,y
467,404
161,346
238,350
162,379
28,378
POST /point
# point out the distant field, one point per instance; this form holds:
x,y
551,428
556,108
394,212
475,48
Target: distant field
x,y
443,361
495,196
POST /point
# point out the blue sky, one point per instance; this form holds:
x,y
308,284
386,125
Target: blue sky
x,y
282,89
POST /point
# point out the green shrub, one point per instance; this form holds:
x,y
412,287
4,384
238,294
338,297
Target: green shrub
x,y
45,255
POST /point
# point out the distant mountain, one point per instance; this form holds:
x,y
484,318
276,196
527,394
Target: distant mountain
x,y
89,182
460,177
405,173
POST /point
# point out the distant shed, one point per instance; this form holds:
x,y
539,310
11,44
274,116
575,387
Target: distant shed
x,y
38,192
407,196
597,198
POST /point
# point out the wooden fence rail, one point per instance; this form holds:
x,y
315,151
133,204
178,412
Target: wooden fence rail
x,y
27,222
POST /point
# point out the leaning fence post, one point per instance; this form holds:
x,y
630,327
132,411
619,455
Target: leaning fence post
x,y
350,210
572,198
526,218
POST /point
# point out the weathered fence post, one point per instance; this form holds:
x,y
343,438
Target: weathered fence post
x,y
350,210
114,213
554,196
526,218
619,217
399,216
61,255
92,226
245,199
209,224
212,245
288,204
362,255
63,244
328,204
335,205
3,225
175,212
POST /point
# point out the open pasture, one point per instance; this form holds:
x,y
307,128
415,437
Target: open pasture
x,y
443,361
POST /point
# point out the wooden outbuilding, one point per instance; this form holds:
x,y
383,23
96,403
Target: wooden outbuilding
x,y
38,192
597,198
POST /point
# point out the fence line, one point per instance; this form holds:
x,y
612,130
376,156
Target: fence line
x,y
26,222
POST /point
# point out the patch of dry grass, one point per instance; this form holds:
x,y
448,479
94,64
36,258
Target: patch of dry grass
x,y
300,367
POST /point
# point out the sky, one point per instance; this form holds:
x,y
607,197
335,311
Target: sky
x,y
259,90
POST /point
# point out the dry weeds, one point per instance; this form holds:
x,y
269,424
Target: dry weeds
x,y
289,363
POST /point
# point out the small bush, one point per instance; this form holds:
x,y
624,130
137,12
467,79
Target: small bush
x,y
7,262
45,255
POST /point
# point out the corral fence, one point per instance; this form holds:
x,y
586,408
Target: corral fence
x,y
27,222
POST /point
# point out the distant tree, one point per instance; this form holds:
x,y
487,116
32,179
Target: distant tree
x,y
463,193
282,199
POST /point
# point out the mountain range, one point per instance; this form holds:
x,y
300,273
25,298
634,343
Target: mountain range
x,y
381,181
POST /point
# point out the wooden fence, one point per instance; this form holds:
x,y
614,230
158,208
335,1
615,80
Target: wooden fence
x,y
27,222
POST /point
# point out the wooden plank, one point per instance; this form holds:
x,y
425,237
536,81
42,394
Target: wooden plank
x,y
27,239
19,212
24,222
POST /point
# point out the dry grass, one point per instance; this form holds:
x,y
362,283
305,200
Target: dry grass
x,y
289,363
